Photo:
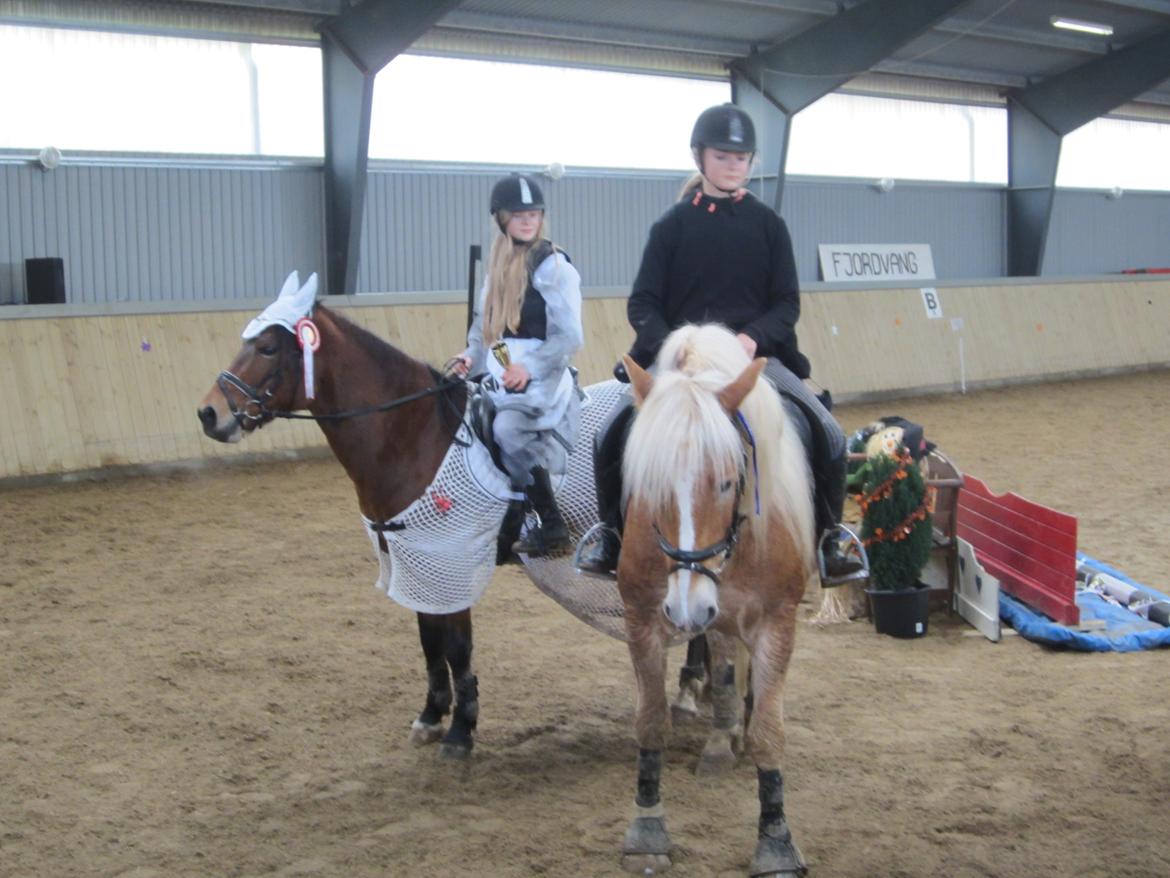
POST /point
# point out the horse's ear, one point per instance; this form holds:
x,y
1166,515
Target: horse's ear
x,y
733,394
640,379
292,284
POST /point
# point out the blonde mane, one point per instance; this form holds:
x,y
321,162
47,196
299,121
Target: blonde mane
x,y
681,427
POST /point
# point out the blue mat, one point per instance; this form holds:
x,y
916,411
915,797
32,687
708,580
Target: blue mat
x,y
1124,631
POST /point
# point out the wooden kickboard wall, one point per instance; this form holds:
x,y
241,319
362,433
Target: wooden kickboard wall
x,y
122,388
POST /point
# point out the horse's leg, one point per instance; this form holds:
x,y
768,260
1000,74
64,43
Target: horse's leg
x,y
647,845
690,680
458,741
727,729
428,728
776,854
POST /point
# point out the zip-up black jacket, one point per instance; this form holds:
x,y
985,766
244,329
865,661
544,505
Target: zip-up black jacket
x,y
716,260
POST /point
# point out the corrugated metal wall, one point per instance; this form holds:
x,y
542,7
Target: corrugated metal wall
x,y
964,225
419,226
1094,234
136,231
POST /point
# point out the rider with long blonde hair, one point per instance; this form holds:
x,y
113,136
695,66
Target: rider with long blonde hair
x,y
530,305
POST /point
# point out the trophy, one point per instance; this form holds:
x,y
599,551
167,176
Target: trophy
x,y
500,352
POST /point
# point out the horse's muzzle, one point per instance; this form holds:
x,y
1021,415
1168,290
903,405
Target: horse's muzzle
x,y
228,432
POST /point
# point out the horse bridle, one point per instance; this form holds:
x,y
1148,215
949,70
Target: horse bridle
x,y
255,398
255,406
693,559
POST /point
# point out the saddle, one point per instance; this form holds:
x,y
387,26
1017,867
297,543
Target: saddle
x,y
481,414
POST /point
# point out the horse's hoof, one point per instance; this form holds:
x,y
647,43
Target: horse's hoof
x,y
454,752
645,864
776,858
422,733
715,762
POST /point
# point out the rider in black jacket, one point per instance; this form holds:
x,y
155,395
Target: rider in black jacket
x,y
720,255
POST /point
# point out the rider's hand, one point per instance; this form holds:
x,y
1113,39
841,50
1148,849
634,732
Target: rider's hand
x,y
749,344
461,365
516,377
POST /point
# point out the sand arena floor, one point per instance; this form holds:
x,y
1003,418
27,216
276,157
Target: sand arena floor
x,y
197,679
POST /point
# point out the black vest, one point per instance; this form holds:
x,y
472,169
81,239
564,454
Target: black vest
x,y
533,319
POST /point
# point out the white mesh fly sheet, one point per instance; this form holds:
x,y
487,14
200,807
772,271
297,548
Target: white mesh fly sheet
x,y
443,557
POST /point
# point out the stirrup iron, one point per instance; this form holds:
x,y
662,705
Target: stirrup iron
x,y
591,537
850,546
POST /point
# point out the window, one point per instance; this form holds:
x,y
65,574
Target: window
x,y
90,90
857,136
446,109
1116,152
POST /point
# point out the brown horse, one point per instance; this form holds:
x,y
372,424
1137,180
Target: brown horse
x,y
390,420
718,539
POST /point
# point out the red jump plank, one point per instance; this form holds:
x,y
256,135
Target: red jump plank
x,y
1030,548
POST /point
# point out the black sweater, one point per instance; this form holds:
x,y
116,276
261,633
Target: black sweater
x,y
718,261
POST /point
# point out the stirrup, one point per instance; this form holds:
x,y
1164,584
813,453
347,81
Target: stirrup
x,y
590,538
853,548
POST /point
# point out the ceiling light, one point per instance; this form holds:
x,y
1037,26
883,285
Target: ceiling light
x,y
1085,27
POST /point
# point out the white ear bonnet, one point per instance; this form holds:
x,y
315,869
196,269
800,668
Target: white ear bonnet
x,y
293,303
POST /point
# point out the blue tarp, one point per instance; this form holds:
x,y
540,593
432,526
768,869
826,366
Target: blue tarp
x,y
1124,631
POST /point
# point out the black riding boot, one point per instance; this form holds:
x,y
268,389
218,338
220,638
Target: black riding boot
x,y
609,443
830,504
509,533
551,534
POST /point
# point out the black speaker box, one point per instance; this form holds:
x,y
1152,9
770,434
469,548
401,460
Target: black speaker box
x,y
44,281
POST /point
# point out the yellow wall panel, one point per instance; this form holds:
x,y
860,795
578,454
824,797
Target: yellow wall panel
x,y
81,392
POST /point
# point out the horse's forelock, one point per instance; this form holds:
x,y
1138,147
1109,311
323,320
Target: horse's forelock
x,y
680,428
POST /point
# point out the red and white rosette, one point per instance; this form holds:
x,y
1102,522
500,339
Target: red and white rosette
x,y
309,338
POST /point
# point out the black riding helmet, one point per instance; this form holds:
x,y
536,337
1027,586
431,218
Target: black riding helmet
x,y
516,192
725,127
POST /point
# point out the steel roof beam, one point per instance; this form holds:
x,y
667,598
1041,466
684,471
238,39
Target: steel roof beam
x,y
781,81
375,32
356,46
1038,118
1068,100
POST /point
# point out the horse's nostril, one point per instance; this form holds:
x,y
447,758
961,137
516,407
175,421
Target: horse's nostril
x,y
710,613
666,609
207,416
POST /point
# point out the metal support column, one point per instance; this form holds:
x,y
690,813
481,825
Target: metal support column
x,y
777,83
355,47
349,95
1038,118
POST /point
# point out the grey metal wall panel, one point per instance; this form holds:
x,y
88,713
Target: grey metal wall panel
x,y
1092,234
419,225
963,225
145,232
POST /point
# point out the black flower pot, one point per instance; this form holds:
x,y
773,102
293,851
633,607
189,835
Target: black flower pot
x,y
900,613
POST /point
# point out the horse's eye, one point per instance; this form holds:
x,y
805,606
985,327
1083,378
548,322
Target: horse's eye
x,y
268,350
725,487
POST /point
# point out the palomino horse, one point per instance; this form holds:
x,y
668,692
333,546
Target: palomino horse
x,y
718,539
390,420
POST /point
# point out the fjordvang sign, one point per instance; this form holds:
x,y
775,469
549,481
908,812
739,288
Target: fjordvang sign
x,y
870,262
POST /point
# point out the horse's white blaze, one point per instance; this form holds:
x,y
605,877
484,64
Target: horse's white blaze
x,y
689,598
